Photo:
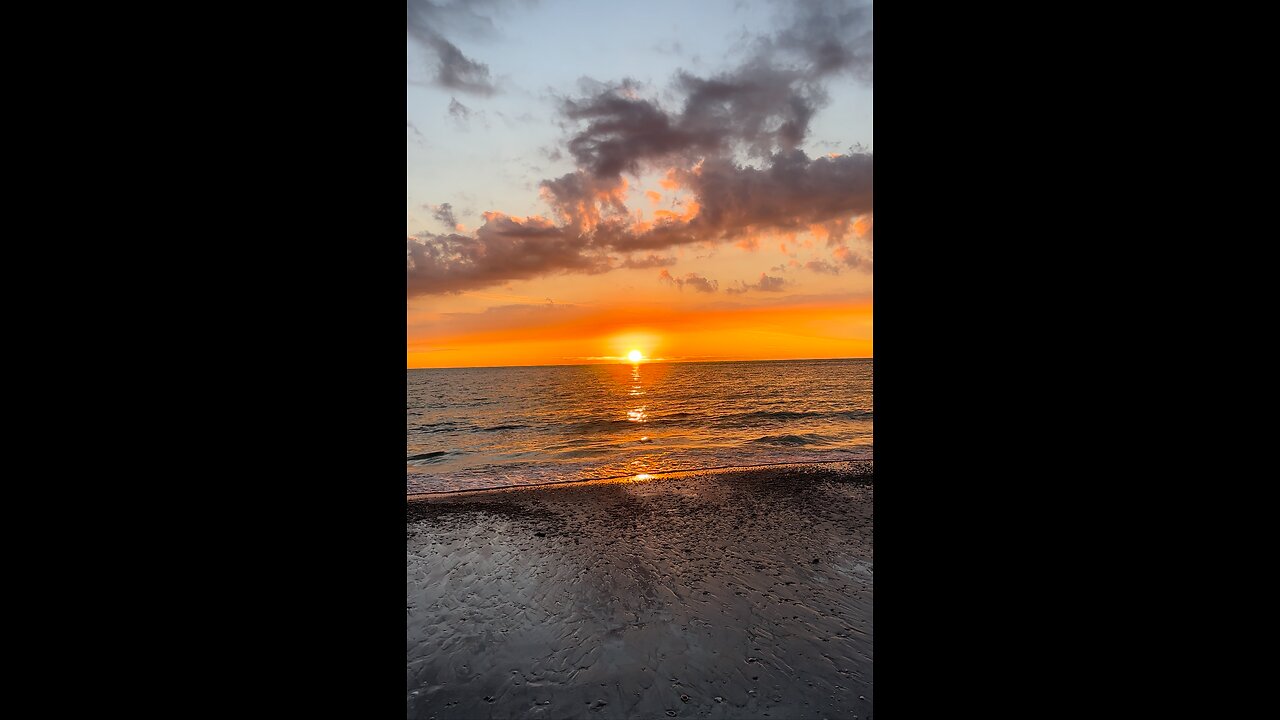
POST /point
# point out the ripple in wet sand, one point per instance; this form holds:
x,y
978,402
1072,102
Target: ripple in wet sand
x,y
693,595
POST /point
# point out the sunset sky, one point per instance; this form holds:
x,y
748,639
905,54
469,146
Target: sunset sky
x,y
692,180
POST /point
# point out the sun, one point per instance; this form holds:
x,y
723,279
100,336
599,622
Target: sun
x,y
635,356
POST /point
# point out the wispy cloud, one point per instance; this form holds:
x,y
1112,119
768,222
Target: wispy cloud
x,y
764,284
649,261
428,21
444,213
697,282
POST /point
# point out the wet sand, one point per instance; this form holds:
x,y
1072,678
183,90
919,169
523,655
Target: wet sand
x,y
733,594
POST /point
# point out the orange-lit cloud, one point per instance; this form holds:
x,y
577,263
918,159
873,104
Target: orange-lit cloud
x,y
725,201
690,212
862,226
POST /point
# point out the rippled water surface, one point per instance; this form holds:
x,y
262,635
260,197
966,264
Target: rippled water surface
x,y
471,428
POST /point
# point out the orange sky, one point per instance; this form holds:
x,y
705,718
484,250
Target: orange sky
x,y
748,333
553,335
575,319
692,209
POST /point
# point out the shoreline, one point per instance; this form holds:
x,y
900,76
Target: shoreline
x,y
743,592
864,467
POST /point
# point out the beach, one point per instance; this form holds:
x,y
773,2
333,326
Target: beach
x,y
716,594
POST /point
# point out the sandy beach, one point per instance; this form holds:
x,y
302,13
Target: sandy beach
x,y
728,594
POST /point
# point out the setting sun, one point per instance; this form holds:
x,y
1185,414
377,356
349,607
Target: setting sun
x,y
701,201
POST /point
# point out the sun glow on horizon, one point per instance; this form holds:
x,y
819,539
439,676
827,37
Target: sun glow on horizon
x,y
635,356
608,333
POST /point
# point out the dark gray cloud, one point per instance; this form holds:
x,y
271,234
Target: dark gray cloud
x,y
697,282
764,284
460,73
651,261
428,21
822,266
503,249
760,110
444,213
761,107
832,36
789,192
622,131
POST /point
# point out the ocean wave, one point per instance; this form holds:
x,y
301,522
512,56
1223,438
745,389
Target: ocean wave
x,y
497,428
428,455
756,417
442,426
597,426
474,428
794,440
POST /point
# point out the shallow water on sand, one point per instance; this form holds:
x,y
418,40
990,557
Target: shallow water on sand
x,y
718,595
471,428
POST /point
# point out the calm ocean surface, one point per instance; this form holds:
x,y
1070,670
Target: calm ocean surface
x,y
471,428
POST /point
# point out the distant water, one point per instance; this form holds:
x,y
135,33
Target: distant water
x,y
472,428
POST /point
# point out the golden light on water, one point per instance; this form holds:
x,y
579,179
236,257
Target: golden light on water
x,y
635,356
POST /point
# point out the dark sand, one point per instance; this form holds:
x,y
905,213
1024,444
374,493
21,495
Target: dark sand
x,y
720,595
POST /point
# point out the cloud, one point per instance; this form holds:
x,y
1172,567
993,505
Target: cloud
x,y
764,284
852,259
504,248
697,282
622,130
460,112
651,261
444,213
762,106
822,266
760,110
789,193
833,36
428,20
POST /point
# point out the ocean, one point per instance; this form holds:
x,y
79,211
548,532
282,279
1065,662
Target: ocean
x,y
475,428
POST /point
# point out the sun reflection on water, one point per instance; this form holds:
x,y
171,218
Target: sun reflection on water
x,y
638,414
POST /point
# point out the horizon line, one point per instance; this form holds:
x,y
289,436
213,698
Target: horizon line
x,y
642,362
